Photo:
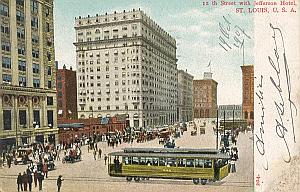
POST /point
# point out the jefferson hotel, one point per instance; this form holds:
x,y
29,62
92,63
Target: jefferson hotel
x,y
126,65
27,90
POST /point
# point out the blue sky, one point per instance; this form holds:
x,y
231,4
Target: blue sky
x,y
195,27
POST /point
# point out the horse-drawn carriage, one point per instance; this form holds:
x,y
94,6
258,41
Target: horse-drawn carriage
x,y
23,155
72,156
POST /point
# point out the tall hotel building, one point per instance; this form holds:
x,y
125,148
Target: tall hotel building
x,y
126,64
27,89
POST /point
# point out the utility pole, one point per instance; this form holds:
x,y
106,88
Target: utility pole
x,y
217,126
232,123
224,123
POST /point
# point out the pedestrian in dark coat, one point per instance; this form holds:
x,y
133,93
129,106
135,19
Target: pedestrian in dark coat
x,y
25,181
35,175
59,183
29,175
40,178
20,182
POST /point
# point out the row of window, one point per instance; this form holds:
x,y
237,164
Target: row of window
x,y
170,162
7,119
6,63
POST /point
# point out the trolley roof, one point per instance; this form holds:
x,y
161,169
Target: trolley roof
x,y
172,155
171,150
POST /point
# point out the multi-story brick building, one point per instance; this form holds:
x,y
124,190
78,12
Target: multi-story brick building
x,y
126,64
27,89
248,93
185,96
66,93
205,97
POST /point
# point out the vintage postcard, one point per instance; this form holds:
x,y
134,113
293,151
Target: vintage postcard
x,y
169,95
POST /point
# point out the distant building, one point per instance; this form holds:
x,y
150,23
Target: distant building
x,y
126,64
231,111
66,93
205,97
72,129
185,96
248,93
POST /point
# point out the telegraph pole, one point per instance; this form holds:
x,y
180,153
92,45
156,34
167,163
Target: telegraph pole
x,y
224,123
217,126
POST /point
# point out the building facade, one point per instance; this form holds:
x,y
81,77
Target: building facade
x,y
72,129
126,64
66,93
231,111
205,97
248,93
27,90
185,96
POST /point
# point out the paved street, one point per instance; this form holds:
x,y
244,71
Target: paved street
x,y
91,175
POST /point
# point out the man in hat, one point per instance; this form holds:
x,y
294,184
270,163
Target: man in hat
x,y
59,182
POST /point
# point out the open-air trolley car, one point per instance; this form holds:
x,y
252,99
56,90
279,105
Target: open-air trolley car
x,y
199,165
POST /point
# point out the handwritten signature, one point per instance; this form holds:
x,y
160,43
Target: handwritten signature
x,y
286,108
260,144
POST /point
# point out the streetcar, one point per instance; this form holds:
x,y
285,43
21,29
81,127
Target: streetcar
x,y
198,165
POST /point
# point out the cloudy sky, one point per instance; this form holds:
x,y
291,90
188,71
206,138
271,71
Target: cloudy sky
x,y
199,30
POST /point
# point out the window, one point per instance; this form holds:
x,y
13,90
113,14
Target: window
x,y
21,49
20,16
22,81
5,46
4,10
35,53
7,119
6,78
47,11
36,118
190,163
5,29
171,162
22,117
181,162
34,6
20,2
6,62
108,107
21,32
49,100
36,83
35,68
162,162
49,71
207,164
47,27
35,39
34,22
199,163
49,84
22,65
50,118
59,85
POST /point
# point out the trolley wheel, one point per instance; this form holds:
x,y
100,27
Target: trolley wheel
x,y
136,179
129,178
203,181
196,181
